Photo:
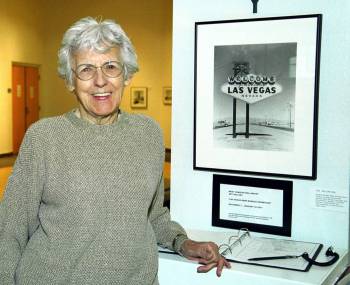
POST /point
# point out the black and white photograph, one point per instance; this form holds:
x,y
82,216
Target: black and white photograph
x,y
167,95
138,97
256,95
260,77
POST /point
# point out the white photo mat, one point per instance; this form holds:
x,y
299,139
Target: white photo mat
x,y
301,160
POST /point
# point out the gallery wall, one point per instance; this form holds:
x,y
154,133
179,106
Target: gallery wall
x,y
191,190
31,32
21,30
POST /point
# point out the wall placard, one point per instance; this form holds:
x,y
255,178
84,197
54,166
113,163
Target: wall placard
x,y
260,205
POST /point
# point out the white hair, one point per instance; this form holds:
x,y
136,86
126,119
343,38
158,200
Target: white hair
x,y
88,33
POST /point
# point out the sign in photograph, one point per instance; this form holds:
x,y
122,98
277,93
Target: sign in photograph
x,y
250,88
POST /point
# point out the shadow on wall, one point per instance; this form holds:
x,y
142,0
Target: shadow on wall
x,y
166,173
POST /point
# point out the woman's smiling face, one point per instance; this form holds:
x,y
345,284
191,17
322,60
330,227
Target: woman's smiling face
x,y
99,97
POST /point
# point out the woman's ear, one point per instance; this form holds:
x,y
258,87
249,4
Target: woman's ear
x,y
70,88
127,81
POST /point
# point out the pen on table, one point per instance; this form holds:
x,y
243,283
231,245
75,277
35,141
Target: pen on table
x,y
273,257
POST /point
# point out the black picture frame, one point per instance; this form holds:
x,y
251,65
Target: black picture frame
x,y
276,136
260,184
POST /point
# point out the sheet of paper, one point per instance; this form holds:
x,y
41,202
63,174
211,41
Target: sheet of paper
x,y
251,205
331,200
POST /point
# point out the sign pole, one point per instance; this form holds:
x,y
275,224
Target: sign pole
x,y
246,120
234,134
255,6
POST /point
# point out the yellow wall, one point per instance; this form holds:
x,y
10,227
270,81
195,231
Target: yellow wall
x,y
21,41
35,38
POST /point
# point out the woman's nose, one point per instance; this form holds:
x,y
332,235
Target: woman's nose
x,y
100,78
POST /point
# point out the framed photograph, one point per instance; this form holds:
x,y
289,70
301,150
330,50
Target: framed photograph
x,y
138,97
260,205
167,95
256,96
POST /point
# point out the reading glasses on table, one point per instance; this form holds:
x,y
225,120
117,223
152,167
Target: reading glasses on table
x,y
329,253
274,257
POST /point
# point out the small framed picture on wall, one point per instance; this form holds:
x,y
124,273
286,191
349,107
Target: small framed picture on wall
x,y
138,97
167,95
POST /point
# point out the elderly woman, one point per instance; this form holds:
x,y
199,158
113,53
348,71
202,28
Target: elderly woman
x,y
84,202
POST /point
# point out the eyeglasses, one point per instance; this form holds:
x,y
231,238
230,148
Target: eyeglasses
x,y
111,69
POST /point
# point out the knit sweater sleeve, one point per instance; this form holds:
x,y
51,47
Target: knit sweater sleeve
x,y
169,234
19,208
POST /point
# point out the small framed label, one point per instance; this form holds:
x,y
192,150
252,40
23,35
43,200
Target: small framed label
x,y
260,205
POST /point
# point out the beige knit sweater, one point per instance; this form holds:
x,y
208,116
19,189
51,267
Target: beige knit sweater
x,y
84,204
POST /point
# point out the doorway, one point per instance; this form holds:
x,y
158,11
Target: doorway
x,y
25,101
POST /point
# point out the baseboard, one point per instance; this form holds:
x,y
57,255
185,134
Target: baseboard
x,y
6,154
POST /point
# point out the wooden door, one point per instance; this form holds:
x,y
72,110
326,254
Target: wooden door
x,y
18,106
25,101
32,95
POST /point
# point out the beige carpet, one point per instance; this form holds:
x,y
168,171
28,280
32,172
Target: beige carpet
x,y
4,174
